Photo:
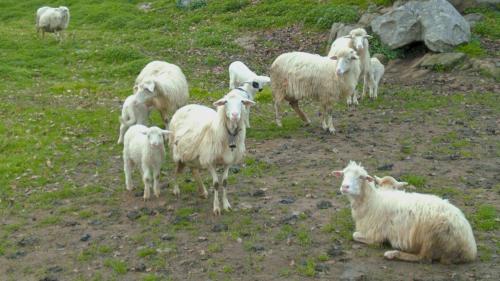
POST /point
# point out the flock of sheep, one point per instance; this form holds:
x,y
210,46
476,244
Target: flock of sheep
x,y
420,226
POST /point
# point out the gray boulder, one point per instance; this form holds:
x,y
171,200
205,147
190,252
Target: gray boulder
x,y
435,22
461,5
339,29
473,18
443,60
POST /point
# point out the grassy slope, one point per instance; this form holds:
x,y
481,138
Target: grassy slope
x,y
59,102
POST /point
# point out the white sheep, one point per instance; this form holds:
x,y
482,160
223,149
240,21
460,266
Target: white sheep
x,y
422,227
298,75
357,39
203,138
144,147
239,73
163,86
377,70
52,20
389,182
133,112
247,90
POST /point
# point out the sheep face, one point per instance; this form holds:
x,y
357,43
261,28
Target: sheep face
x,y
262,81
344,61
145,90
156,136
353,177
233,104
358,37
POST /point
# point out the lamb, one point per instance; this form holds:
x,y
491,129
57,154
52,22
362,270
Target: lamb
x,y
203,138
422,227
298,75
239,73
52,20
163,86
144,147
357,39
133,112
376,72
389,182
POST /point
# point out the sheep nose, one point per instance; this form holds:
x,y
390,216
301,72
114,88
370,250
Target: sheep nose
x,y
234,115
339,72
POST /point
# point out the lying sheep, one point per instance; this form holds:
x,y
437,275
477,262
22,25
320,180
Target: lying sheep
x,y
239,73
298,75
133,112
203,138
52,20
144,147
376,72
389,182
163,86
357,40
423,227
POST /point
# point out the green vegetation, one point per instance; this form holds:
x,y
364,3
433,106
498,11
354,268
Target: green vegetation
x,y
486,218
118,266
472,49
415,180
490,25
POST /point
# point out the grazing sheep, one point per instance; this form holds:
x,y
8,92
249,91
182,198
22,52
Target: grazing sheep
x,y
239,73
133,112
203,138
376,72
163,86
357,40
422,227
52,20
298,75
144,147
389,182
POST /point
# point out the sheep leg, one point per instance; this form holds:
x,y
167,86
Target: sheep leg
x,y
127,168
164,117
359,237
215,181
399,255
225,203
277,105
178,171
156,182
365,79
247,117
123,129
146,178
295,105
201,187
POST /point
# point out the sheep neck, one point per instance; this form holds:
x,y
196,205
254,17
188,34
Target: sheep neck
x,y
360,204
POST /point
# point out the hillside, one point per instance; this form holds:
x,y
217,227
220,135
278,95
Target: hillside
x,y
65,213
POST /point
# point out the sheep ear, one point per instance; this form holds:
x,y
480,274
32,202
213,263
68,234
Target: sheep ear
x,y
150,86
348,36
166,132
401,184
367,36
136,88
367,178
247,102
266,79
334,58
354,57
337,174
377,179
220,102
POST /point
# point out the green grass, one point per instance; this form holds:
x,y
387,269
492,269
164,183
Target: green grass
x,y
486,218
415,180
490,25
472,49
117,266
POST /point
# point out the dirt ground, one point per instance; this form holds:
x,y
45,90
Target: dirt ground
x,y
281,228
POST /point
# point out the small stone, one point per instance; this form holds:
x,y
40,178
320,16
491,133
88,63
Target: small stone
x,y
239,240
54,269
133,215
257,248
139,268
71,223
85,237
234,170
335,251
386,167
321,267
16,255
258,193
49,278
220,227
147,211
287,200
28,241
167,237
324,204
245,206
202,238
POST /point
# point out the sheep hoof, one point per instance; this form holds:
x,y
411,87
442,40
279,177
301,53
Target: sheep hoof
x,y
278,123
217,211
227,207
331,130
176,192
204,195
390,255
